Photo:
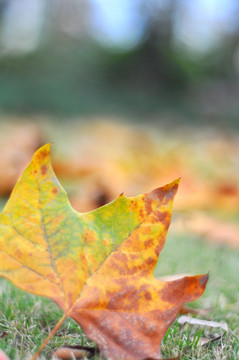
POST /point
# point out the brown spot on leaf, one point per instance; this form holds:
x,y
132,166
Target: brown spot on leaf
x,y
54,190
120,257
147,204
147,295
148,243
119,281
141,213
122,266
44,153
134,205
150,261
144,272
44,169
158,249
133,257
161,217
127,298
146,229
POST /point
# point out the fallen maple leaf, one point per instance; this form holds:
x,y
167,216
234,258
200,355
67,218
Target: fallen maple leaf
x,y
97,266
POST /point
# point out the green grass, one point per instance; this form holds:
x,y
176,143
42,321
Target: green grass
x,y
25,320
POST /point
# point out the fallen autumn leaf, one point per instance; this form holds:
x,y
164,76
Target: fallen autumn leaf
x,y
97,266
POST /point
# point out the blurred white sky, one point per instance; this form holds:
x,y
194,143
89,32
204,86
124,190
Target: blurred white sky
x,y
21,25
117,22
199,24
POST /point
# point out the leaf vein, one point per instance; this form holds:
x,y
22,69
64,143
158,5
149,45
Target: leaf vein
x,y
27,267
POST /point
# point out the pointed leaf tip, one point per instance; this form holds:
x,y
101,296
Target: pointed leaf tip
x,y
42,154
203,280
175,182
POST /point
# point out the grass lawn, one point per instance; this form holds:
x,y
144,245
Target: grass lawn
x,y
26,320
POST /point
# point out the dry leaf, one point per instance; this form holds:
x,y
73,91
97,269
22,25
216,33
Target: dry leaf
x,y
74,352
216,231
97,266
133,158
205,341
186,319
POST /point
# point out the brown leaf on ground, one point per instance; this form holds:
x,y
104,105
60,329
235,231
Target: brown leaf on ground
x,y
206,341
120,157
211,229
74,352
